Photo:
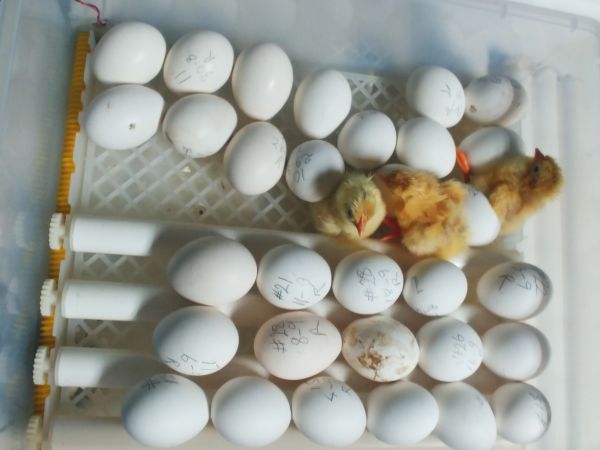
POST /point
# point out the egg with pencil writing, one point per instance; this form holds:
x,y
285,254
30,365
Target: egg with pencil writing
x,y
200,61
450,349
436,93
314,170
435,287
196,340
199,125
164,410
328,412
515,290
367,282
297,345
255,158
293,277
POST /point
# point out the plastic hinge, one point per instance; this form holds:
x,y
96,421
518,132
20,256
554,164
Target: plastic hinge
x,y
48,297
41,365
57,231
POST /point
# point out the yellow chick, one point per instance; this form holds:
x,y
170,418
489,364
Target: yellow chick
x,y
354,210
518,186
428,214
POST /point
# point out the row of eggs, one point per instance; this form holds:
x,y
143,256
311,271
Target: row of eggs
x,y
214,270
201,124
199,340
167,410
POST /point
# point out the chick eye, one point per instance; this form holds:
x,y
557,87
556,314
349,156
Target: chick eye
x,y
350,213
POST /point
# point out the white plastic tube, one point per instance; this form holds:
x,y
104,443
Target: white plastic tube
x,y
102,300
104,368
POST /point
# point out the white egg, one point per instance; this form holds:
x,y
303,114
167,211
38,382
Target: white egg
x,y
196,340
426,145
380,348
322,102
514,290
450,349
123,117
488,145
314,170
293,277
522,412
515,351
130,52
164,411
494,99
328,412
401,413
367,140
255,158
212,270
435,287
250,411
262,80
297,345
200,61
367,282
466,418
199,125
484,225
436,93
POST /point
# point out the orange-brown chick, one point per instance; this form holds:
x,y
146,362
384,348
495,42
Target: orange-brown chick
x,y
429,212
518,186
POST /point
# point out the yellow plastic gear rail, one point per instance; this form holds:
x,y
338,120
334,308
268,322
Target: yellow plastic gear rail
x,y
67,167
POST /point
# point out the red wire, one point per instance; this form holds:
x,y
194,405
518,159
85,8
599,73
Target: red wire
x,y
99,20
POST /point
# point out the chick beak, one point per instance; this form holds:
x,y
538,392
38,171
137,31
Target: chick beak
x,y
538,155
360,224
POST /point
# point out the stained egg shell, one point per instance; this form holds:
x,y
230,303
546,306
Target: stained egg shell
x,y
164,411
522,412
367,282
426,145
484,225
515,351
435,92
129,52
321,103
123,117
196,340
401,413
380,348
367,139
199,125
250,411
314,170
495,99
487,145
293,277
466,418
212,270
328,412
450,349
514,290
297,345
262,80
435,287
488,99
255,158
200,61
